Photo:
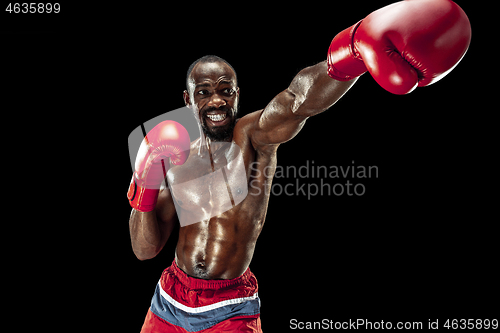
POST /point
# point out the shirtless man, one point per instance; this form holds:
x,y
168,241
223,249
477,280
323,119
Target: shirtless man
x,y
209,286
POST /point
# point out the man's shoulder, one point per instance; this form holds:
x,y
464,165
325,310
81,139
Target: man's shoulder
x,y
244,129
246,124
249,120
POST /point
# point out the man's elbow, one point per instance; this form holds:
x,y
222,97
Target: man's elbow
x,y
142,258
145,255
295,99
301,107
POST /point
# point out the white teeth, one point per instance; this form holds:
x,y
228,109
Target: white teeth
x,y
216,117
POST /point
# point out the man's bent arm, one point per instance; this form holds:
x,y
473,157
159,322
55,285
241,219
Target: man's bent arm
x,y
311,92
149,231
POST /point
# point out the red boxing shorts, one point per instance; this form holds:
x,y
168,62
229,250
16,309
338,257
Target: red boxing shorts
x,y
185,304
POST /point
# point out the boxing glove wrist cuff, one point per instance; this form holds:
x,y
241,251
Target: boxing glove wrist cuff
x,y
140,198
344,63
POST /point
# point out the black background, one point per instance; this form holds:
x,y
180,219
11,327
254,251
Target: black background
x,y
420,244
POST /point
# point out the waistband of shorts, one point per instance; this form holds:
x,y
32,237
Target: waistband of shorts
x,y
194,283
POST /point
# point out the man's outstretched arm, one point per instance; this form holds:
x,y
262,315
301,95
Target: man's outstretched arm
x,y
403,45
311,92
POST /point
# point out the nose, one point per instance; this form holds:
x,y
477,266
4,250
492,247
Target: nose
x,y
216,101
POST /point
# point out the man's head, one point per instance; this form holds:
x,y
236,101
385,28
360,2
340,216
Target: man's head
x,y
212,88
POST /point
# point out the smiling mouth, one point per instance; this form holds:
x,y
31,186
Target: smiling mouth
x,y
217,117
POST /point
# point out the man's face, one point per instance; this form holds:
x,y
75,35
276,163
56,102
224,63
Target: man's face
x,y
214,92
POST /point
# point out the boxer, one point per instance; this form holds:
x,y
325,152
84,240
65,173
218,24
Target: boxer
x,y
209,287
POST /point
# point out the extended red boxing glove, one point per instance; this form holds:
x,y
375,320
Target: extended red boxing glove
x,y
168,139
404,45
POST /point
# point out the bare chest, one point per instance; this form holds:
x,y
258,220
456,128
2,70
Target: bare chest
x,y
208,184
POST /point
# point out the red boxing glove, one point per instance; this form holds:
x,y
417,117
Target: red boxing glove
x,y
167,139
408,43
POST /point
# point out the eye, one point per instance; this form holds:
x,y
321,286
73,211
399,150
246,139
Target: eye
x,y
203,92
228,91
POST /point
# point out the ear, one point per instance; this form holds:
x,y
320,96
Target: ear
x,y
238,91
187,100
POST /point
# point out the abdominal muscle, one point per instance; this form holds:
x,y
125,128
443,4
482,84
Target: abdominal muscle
x,y
219,248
